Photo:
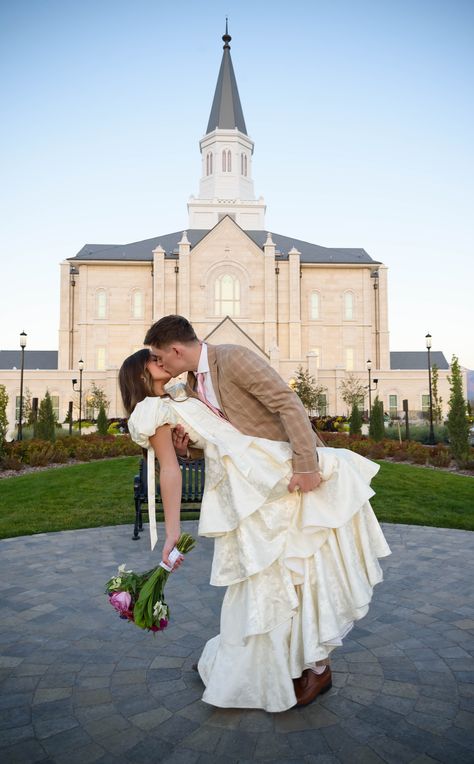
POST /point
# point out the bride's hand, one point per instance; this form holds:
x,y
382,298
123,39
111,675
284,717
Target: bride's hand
x,y
169,544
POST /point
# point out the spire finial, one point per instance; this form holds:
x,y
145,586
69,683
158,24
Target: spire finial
x,y
227,38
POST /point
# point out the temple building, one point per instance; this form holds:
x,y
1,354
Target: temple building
x,y
293,302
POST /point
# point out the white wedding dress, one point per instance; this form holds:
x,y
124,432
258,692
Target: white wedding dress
x,y
299,568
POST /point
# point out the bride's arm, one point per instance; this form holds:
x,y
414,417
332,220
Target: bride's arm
x,y
170,486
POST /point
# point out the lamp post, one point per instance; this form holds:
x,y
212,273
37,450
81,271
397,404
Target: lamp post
x,y
80,366
431,439
23,337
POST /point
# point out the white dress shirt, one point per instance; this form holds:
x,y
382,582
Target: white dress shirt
x,y
203,368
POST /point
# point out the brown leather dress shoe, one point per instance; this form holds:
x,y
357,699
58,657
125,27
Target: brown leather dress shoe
x,y
310,685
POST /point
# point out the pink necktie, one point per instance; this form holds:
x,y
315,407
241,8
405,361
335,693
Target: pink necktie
x,y
200,377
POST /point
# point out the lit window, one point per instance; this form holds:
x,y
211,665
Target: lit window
x,y
100,359
55,402
227,295
393,406
314,306
348,306
137,304
101,303
349,359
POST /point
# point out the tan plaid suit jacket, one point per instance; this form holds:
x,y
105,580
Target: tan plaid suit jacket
x,y
257,401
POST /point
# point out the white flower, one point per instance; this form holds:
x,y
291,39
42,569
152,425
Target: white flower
x,y
160,610
122,571
115,583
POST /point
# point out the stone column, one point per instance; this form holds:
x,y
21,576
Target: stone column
x,y
184,276
158,283
270,338
295,304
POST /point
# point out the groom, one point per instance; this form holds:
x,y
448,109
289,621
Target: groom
x,y
239,385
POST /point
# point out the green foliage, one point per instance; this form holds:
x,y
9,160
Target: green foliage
x,y
310,393
458,424
352,391
437,400
46,424
102,421
355,420
376,427
3,417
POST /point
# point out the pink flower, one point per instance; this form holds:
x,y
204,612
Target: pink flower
x,y
121,601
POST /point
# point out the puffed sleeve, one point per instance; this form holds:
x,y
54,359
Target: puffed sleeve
x,y
147,416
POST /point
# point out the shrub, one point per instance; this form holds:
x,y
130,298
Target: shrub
x,y
102,423
417,453
3,418
377,427
458,424
46,425
11,462
355,420
40,453
440,456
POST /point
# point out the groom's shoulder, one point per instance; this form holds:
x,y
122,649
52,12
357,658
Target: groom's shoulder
x,y
228,352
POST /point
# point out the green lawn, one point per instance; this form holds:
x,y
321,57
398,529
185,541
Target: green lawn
x,y
101,493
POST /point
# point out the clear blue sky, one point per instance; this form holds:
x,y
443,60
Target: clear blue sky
x,y
361,112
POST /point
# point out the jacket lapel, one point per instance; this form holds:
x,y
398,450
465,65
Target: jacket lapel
x,y
212,358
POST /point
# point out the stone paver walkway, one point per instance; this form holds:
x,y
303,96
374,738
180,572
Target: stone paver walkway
x,y
80,685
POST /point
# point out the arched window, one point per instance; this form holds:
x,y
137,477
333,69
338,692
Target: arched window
x,y
210,163
229,161
224,160
101,303
137,303
348,306
245,165
227,295
207,164
314,306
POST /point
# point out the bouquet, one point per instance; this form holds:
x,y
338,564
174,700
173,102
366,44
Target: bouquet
x,y
139,597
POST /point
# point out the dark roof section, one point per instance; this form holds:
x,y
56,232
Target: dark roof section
x,y
142,250
417,359
34,359
226,111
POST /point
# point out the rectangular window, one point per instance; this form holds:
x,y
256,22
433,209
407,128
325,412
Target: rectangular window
x,y
100,359
101,304
323,406
348,306
349,359
314,306
55,402
392,406
425,403
317,353
137,305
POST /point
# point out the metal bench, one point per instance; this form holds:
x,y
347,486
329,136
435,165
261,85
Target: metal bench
x,y
192,475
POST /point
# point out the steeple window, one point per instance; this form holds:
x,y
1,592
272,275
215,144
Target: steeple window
x,y
243,164
209,163
226,161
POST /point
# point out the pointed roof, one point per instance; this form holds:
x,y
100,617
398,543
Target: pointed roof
x,y
226,111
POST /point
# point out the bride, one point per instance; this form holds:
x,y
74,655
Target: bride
x,y
299,567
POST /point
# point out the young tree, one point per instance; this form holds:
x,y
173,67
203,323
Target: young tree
x,y
352,391
377,427
102,421
310,394
355,422
3,417
97,398
458,425
46,424
437,400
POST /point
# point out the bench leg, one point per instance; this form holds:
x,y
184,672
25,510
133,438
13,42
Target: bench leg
x,y
138,520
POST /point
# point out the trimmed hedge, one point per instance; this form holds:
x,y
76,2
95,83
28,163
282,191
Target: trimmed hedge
x,y
39,453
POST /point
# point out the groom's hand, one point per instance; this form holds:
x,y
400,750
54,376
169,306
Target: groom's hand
x,y
180,440
304,481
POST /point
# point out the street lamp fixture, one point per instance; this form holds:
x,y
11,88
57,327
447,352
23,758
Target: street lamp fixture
x,y
431,438
23,337
80,366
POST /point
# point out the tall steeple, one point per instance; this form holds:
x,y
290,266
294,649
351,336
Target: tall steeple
x,y
226,185
226,111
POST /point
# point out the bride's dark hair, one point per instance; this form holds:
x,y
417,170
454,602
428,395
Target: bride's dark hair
x,y
135,380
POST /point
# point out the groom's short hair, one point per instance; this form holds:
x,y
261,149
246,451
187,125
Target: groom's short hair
x,y
170,329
